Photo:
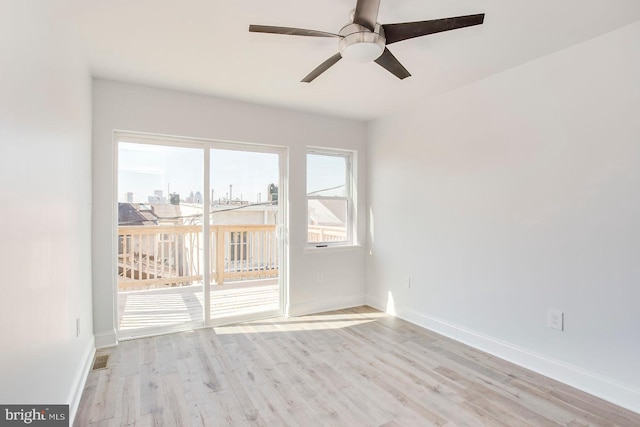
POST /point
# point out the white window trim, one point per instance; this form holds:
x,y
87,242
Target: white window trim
x,y
350,187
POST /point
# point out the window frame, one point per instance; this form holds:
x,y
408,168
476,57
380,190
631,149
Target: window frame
x,y
350,189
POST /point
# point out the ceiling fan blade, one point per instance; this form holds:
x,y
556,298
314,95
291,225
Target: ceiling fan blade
x,y
289,31
322,68
408,30
391,64
366,13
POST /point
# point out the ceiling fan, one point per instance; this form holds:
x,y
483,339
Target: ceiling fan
x,y
364,39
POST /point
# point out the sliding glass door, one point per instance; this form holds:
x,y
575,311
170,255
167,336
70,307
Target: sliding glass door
x,y
198,240
244,222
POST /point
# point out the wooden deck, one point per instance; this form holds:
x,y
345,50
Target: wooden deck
x,y
140,312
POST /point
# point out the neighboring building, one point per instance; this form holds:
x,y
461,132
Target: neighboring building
x,y
327,212
272,193
136,214
197,198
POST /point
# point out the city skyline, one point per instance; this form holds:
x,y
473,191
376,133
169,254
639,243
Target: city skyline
x,y
144,169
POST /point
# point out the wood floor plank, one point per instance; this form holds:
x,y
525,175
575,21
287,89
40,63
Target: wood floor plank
x,y
128,411
88,397
354,367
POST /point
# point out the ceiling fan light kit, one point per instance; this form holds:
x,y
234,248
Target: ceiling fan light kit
x,y
365,40
358,44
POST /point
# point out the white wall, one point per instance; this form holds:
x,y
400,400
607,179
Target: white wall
x,y
514,195
136,108
45,188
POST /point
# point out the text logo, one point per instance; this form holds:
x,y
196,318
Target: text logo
x,y
36,415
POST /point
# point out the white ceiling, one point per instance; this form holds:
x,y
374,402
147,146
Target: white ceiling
x,y
204,46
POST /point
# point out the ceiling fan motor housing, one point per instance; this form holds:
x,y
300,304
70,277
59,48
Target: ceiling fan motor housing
x,y
360,44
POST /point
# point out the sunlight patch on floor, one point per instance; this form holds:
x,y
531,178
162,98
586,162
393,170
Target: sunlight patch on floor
x,y
305,323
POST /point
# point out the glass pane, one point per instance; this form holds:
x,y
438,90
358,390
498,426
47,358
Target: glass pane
x,y
242,178
160,242
327,220
145,171
326,175
245,251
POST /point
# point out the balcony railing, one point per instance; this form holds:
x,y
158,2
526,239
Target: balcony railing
x,y
324,233
173,255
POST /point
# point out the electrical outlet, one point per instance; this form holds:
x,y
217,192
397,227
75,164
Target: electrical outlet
x,y
77,327
555,319
320,278
407,282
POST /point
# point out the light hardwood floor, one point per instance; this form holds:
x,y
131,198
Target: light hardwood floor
x,y
357,367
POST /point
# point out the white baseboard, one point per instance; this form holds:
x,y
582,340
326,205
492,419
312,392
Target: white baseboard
x,y
106,339
590,382
312,307
80,380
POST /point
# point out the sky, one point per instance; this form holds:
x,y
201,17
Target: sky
x,y
145,168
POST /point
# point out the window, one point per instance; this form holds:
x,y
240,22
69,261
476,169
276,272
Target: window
x,y
329,197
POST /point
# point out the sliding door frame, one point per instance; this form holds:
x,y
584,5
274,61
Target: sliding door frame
x,y
206,145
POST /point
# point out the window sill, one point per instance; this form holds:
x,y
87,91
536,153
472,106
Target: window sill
x,y
331,248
